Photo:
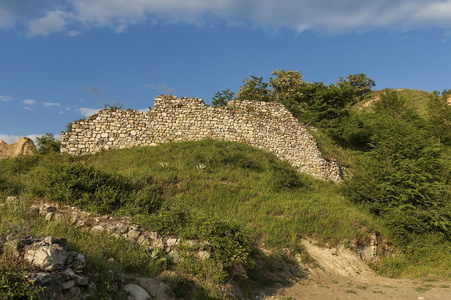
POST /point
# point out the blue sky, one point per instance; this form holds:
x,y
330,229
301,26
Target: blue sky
x,y
61,60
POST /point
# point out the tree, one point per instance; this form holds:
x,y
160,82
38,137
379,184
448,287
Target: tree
x,y
361,84
439,121
325,102
404,175
48,144
287,85
221,98
254,89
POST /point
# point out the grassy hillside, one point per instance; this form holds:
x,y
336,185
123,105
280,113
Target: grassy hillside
x,y
239,198
416,99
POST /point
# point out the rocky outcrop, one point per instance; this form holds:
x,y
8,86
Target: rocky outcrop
x,y
23,146
265,125
63,273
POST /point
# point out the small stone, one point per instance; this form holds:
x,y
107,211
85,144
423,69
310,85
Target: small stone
x,y
134,234
136,292
67,284
172,242
38,279
12,200
73,292
203,255
79,262
97,228
81,280
50,216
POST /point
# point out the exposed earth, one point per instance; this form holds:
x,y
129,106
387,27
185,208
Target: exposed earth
x,y
23,146
342,275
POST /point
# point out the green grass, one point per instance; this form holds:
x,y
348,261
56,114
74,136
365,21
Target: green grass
x,y
208,190
417,99
242,185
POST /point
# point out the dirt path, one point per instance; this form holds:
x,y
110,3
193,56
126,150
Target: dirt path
x,y
342,275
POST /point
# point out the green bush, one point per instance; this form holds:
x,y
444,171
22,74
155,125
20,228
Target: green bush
x,y
99,191
229,245
48,144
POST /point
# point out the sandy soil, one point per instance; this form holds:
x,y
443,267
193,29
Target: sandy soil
x,y
341,275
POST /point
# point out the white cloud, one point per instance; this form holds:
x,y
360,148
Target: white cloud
x,y
161,88
329,16
5,98
73,33
298,15
52,22
51,104
86,112
12,11
9,139
29,101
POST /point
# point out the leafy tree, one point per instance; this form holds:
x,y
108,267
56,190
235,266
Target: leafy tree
x,y
361,84
48,143
403,177
254,89
325,102
221,98
394,105
287,85
439,122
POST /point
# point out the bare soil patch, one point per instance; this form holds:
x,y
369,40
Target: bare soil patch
x,y
340,274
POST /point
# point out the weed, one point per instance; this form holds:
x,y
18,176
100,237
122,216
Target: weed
x,y
423,288
362,287
201,167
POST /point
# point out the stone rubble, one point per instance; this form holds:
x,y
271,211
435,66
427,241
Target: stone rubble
x,y
265,125
119,228
63,272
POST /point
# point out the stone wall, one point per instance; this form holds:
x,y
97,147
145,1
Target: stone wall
x,y
265,125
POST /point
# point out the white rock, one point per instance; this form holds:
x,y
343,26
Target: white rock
x,y
136,292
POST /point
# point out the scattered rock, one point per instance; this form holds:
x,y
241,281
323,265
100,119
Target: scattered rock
x,y
136,292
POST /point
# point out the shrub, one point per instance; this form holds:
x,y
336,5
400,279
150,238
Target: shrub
x,y
48,143
102,192
229,246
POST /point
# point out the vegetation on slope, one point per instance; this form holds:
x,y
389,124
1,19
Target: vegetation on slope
x,y
395,144
241,199
235,196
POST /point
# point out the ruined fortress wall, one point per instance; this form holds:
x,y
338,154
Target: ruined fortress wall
x,y
265,125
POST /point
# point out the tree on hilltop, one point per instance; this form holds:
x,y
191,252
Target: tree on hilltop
x,y
254,89
361,84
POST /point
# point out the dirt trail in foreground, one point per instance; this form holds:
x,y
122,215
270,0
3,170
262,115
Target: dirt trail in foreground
x,y
342,275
